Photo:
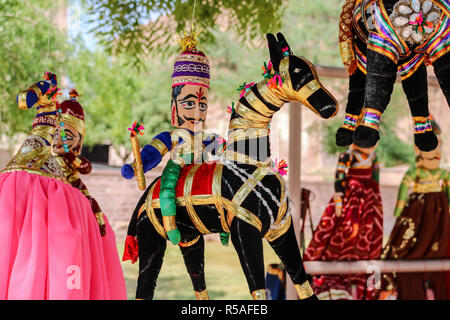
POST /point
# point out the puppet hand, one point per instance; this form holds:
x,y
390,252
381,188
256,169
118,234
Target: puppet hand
x,y
224,238
127,171
174,236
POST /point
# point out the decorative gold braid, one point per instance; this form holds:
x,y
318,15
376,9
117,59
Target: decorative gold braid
x,y
239,134
268,94
346,45
274,234
243,192
201,295
217,195
258,105
189,243
141,209
235,210
259,294
304,290
246,113
160,146
169,223
188,200
151,213
74,122
241,123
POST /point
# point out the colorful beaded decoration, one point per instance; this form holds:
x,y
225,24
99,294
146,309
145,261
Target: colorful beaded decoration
x,y
244,88
350,121
231,109
274,78
62,132
422,125
371,118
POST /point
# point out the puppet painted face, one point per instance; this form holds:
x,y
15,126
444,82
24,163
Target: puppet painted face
x,y
189,106
429,160
74,140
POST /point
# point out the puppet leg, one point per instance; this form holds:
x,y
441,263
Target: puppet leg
x,y
416,90
151,254
355,102
194,259
286,248
442,72
381,75
248,244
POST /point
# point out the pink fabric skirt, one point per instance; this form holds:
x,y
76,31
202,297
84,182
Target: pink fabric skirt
x,y
51,247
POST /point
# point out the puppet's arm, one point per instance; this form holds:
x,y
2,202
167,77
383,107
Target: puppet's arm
x,y
151,154
403,191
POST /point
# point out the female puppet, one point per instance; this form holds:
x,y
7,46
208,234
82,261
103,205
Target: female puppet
x,y
351,227
380,39
422,228
188,144
52,247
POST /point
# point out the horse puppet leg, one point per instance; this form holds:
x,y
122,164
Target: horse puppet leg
x,y
380,79
151,254
194,259
247,241
355,101
442,71
286,248
416,90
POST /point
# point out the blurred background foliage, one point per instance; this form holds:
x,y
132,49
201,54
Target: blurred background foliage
x,y
125,73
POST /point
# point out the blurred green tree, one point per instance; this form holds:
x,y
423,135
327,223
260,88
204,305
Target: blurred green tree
x,y
30,44
140,28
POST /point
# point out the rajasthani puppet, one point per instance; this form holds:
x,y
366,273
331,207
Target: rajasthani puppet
x,y
421,230
380,39
52,248
188,144
351,228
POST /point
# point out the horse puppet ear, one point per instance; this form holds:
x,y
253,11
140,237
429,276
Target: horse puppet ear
x,y
274,50
284,46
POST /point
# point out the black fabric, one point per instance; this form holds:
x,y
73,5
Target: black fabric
x,y
355,103
194,260
151,254
416,90
286,248
442,72
248,243
380,79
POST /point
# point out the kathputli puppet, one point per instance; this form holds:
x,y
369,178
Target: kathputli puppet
x,y
52,247
243,195
351,228
422,228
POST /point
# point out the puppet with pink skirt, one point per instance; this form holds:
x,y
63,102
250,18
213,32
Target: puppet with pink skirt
x,y
53,245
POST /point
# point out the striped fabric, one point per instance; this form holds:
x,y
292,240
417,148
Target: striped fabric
x,y
371,118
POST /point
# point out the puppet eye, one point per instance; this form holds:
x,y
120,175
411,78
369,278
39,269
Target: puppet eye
x,y
297,70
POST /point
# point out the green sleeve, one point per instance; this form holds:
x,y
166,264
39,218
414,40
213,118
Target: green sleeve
x,y
445,176
404,190
167,195
376,169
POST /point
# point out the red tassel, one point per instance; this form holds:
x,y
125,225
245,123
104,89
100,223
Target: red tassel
x,y
130,251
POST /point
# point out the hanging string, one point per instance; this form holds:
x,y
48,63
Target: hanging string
x,y
193,15
48,40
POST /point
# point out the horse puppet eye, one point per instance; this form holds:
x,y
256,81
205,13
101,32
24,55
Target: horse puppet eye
x,y
297,70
